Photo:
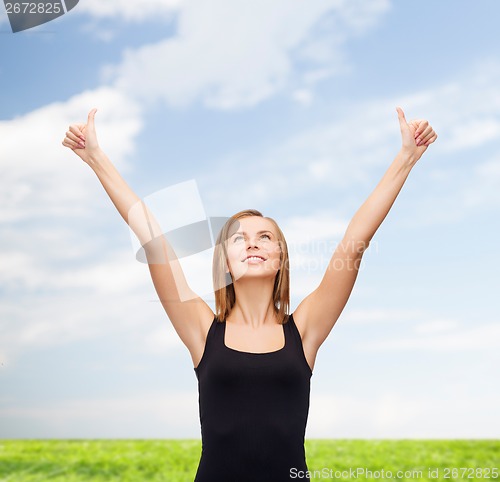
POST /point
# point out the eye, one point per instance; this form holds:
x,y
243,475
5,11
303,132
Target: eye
x,y
237,238
266,236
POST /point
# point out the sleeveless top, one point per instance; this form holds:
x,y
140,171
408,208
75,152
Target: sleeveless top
x,y
253,410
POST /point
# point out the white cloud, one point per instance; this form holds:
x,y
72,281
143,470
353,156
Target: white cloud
x,y
129,11
486,336
303,96
41,262
85,315
455,193
51,210
134,323
482,189
392,414
436,326
395,414
311,77
464,112
145,415
311,243
116,273
359,19
41,177
326,161
320,226
232,56
377,315
162,340
472,133
51,203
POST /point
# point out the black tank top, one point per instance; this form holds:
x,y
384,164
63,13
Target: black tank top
x,y
253,410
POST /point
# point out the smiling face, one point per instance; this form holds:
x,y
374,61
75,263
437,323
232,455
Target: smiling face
x,y
253,248
250,245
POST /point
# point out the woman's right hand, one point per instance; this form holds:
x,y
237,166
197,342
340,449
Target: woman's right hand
x,y
82,139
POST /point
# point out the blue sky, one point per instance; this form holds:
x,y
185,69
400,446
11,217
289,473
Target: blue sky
x,y
283,106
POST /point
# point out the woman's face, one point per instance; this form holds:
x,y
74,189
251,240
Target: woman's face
x,y
253,249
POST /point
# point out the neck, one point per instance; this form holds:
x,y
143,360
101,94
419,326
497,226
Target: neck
x,y
254,303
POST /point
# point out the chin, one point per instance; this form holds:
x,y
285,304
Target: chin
x,y
255,275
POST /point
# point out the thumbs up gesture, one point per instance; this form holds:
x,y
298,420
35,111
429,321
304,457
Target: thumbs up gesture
x,y
82,138
416,136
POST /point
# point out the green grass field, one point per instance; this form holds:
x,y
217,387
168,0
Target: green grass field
x,y
177,460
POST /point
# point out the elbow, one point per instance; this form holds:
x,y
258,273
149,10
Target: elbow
x,y
362,246
356,246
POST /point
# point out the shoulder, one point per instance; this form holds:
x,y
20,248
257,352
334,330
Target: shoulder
x,y
297,319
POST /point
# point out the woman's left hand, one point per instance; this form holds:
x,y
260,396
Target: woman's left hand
x,y
416,135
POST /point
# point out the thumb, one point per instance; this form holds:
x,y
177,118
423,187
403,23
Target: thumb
x,y
402,119
90,120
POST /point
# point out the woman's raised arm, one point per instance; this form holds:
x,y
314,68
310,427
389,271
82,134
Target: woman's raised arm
x,y
190,318
319,311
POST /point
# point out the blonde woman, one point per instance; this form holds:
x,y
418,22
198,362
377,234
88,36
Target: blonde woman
x,y
253,360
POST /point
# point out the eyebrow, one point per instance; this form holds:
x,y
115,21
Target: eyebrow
x,y
258,232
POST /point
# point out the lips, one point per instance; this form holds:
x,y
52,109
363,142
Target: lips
x,y
254,257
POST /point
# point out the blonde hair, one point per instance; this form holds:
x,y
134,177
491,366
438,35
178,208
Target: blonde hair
x,y
225,296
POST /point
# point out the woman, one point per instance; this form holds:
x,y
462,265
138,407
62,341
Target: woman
x,y
252,359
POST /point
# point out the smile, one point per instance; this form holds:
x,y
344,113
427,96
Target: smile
x,y
255,259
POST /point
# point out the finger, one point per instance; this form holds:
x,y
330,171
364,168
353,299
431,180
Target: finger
x,y
71,144
432,139
77,141
76,129
427,132
66,144
422,125
413,126
75,138
424,136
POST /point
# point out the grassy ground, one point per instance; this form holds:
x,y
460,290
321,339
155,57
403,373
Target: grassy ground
x,y
177,460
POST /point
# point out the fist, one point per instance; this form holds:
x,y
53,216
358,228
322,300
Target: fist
x,y
82,138
416,135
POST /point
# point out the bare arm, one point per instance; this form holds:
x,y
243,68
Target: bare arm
x,y
318,312
189,318
374,210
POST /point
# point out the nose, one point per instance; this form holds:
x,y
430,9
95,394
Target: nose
x,y
251,243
